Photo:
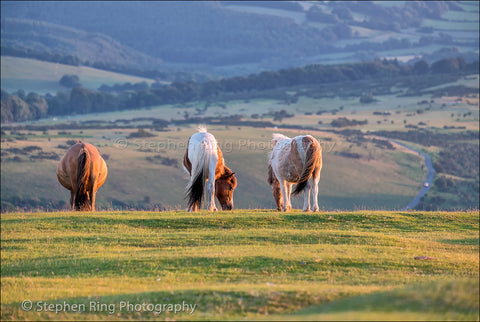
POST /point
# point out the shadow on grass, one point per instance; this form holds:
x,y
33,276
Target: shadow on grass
x,y
188,304
452,298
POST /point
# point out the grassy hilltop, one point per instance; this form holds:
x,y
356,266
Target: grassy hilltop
x,y
252,264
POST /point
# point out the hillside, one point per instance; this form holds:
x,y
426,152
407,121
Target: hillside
x,y
73,44
238,38
362,170
42,77
240,265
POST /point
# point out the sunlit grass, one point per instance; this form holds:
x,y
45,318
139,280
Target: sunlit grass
x,y
242,264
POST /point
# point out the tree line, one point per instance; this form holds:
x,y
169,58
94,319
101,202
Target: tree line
x,y
17,107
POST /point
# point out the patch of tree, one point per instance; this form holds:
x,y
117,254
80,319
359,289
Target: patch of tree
x,y
389,18
352,155
23,52
18,108
367,98
459,159
452,194
266,84
448,65
343,122
70,81
118,88
428,138
444,52
22,151
170,162
45,155
384,144
279,115
382,113
141,133
33,153
456,90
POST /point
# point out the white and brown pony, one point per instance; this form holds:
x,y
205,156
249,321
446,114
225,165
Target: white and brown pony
x,y
204,163
297,160
82,171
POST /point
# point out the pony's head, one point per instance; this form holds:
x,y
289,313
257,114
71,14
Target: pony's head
x,y
224,187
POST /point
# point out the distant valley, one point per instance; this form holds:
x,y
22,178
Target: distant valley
x,y
228,38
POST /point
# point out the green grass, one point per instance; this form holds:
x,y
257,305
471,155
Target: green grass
x,y
246,264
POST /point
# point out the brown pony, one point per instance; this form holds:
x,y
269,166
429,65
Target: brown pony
x,y
297,160
82,171
202,159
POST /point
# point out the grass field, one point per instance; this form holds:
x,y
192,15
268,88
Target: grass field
x,y
41,77
245,264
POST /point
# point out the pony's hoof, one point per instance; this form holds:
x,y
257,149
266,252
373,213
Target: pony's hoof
x,y
306,210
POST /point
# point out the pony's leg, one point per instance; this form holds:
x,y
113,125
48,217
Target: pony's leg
x,y
316,180
211,195
277,195
196,206
306,197
72,199
192,208
93,201
283,188
288,202
211,184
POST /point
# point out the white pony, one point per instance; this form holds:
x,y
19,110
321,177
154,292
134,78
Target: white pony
x,y
297,160
204,163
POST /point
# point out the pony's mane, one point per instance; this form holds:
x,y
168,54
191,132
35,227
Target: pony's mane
x,y
278,136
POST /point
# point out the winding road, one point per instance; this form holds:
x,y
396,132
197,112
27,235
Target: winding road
x,y
428,181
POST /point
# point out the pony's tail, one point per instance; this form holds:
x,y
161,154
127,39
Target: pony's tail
x,y
196,187
83,178
311,161
271,179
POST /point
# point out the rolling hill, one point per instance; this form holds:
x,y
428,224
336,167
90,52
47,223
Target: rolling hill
x,y
232,38
40,37
32,75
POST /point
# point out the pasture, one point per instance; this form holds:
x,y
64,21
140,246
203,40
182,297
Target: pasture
x,y
41,77
245,264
